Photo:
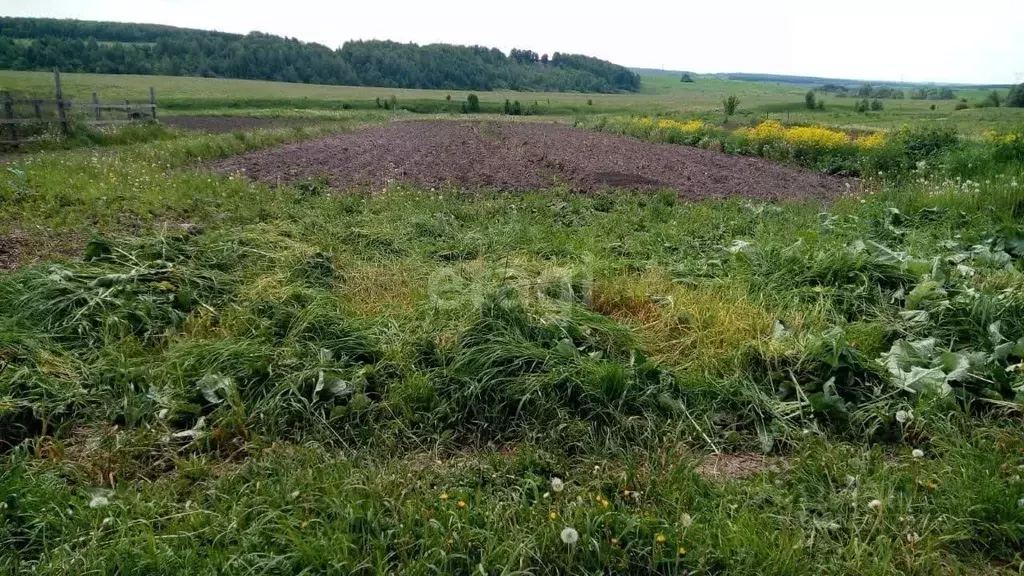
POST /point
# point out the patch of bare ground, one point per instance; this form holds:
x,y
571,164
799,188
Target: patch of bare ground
x,y
20,246
733,466
519,156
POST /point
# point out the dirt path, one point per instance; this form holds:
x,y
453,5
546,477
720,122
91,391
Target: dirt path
x,y
524,156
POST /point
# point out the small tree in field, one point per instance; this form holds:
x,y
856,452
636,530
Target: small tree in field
x,y
730,105
809,100
472,104
1016,97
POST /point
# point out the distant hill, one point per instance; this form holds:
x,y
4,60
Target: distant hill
x,y
118,48
817,80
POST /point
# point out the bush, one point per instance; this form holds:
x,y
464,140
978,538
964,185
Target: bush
x,y
1015,99
992,99
472,104
876,105
686,78
961,106
809,100
730,105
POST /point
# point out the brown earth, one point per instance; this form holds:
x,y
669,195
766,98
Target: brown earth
x,y
516,156
221,124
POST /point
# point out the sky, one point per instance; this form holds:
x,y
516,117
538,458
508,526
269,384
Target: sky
x,y
912,40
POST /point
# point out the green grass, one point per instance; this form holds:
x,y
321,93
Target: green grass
x,y
660,94
202,375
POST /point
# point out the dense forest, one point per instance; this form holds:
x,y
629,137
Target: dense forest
x,y
115,48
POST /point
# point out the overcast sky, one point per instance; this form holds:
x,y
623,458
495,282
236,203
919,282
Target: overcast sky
x,y
914,40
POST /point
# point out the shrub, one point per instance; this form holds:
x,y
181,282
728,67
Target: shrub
x,y
992,99
590,102
876,105
472,104
1015,98
809,100
730,105
961,106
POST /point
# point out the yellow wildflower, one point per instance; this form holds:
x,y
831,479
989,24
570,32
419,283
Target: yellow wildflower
x,y
660,539
871,141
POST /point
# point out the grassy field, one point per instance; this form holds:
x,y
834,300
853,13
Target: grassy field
x,y
202,375
660,95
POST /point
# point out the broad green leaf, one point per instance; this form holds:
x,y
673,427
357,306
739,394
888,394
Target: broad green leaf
x,y
923,291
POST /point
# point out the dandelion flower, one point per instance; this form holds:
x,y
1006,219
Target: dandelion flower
x,y
444,496
569,535
557,485
913,538
553,515
917,453
604,503
98,501
686,520
931,485
461,503
660,538
682,551
904,416
875,504
615,541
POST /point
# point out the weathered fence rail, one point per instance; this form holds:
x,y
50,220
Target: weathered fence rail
x,y
23,118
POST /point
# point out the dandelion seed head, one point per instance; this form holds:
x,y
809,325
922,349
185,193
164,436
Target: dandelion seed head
x,y
875,504
557,485
569,535
917,453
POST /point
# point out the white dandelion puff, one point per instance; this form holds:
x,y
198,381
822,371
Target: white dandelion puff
x,y
917,453
569,535
557,485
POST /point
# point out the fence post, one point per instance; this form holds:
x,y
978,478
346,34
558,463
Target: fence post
x,y
96,106
152,102
9,114
39,110
61,112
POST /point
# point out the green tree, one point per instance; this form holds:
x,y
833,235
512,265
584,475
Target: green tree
x,y
809,100
992,99
472,104
1016,97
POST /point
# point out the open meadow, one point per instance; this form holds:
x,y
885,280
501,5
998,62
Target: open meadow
x,y
642,340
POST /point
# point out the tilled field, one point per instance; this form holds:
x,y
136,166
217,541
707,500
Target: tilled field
x,y
524,156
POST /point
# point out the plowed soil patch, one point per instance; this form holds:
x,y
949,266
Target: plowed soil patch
x,y
511,156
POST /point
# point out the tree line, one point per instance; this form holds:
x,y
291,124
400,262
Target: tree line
x,y
116,48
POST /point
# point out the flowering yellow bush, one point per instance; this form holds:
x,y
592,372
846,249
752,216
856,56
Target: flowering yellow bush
x,y
871,141
765,131
813,137
997,138
689,126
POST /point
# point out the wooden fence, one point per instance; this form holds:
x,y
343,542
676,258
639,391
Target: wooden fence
x,y
23,119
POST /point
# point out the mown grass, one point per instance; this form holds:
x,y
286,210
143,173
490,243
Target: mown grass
x,y
229,378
